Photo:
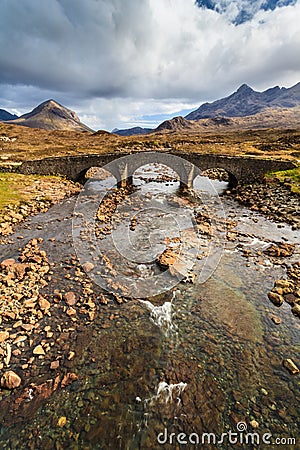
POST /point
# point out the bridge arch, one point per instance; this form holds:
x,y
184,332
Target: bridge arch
x,y
123,168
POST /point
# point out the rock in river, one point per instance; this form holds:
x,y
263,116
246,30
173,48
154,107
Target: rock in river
x,y
276,299
70,298
10,380
296,310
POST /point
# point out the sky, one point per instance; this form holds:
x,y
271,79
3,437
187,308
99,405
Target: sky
x,y
125,63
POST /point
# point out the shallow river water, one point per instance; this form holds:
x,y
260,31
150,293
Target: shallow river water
x,y
203,359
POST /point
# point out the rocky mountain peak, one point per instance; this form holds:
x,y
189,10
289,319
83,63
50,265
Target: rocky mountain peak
x,y
51,115
245,89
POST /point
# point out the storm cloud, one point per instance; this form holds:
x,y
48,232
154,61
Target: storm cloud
x,y
115,60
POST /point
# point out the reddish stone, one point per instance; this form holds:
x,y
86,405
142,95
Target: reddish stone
x,y
70,298
54,365
68,379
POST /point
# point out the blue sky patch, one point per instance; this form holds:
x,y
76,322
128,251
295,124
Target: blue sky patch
x,y
245,9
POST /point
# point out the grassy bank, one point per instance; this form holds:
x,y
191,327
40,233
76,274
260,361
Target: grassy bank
x,y
25,195
288,177
16,189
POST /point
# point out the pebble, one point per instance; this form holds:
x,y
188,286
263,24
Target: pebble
x,y
62,421
54,365
38,350
3,336
254,424
71,355
44,304
70,298
10,380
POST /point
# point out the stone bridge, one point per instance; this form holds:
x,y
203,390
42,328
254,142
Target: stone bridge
x,y
240,169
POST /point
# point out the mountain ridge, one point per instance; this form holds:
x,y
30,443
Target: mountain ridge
x,y
5,115
245,101
274,107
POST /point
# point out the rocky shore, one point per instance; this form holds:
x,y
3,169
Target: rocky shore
x,y
288,290
275,200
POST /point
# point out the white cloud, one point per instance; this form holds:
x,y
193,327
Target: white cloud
x,y
129,112
111,57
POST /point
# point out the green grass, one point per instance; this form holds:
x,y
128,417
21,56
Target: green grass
x,y
11,186
291,177
18,188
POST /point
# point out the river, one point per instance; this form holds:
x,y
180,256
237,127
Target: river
x,y
201,357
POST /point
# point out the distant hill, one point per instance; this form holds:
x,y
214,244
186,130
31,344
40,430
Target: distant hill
x,y
172,125
176,124
5,115
50,115
132,131
247,102
270,118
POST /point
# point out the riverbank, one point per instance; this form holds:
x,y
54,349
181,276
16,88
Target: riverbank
x,y
277,197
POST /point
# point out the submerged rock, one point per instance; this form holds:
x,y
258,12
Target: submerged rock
x,y
291,366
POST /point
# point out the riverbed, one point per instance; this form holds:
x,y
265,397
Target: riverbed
x,y
198,357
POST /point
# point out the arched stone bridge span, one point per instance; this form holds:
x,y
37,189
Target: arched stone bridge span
x,y
240,169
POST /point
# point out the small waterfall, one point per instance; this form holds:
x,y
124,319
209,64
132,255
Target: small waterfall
x,y
162,315
169,391
166,394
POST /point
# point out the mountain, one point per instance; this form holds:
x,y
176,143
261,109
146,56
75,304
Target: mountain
x,y
176,124
132,131
5,115
50,115
246,102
